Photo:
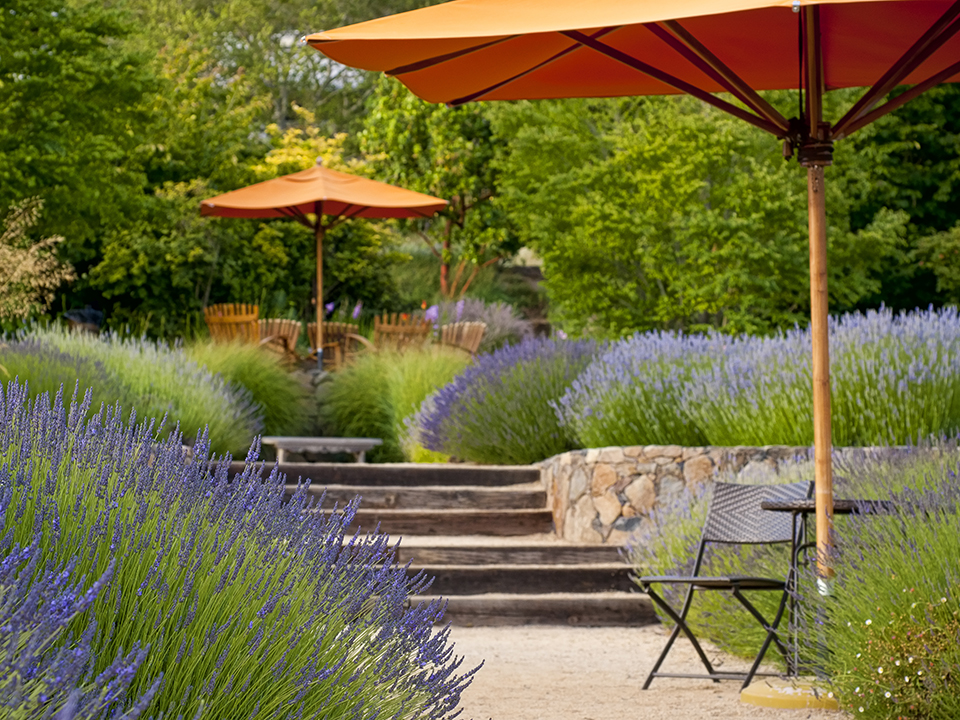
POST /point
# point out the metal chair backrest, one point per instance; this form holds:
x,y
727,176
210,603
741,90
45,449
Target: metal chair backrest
x,y
464,335
400,331
735,515
228,322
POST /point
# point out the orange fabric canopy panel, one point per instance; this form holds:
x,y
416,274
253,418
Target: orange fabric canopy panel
x,y
519,49
328,191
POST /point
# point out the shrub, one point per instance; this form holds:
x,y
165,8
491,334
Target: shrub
x,y
632,393
212,598
277,392
163,381
892,623
45,370
895,377
503,325
500,409
374,396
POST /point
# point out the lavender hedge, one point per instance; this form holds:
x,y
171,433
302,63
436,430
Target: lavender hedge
x,y
895,377
500,409
135,581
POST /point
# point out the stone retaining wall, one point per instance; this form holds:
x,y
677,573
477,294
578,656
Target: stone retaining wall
x,y
602,495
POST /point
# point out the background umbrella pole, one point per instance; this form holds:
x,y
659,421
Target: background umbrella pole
x,y
823,467
319,236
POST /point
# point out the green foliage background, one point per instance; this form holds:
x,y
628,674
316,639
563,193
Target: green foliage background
x,y
647,213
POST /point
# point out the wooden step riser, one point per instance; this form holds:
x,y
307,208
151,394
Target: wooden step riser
x,y
597,610
516,554
404,474
470,580
440,498
450,522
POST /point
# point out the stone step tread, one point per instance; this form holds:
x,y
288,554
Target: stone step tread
x,y
407,474
524,567
453,522
520,553
522,579
610,609
519,497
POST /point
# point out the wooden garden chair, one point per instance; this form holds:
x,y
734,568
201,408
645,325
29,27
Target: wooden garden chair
x,y
463,335
342,343
231,322
281,335
734,518
400,331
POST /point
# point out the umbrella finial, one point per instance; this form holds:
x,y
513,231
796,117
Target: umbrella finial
x,y
320,160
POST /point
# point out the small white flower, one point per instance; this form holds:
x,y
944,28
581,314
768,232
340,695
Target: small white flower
x,y
879,671
858,654
868,622
910,659
856,689
861,708
830,694
897,663
943,600
887,694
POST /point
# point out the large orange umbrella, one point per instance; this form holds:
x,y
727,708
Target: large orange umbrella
x,y
322,193
525,49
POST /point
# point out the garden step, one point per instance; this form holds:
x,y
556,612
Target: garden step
x,y
542,553
452,580
517,497
404,474
453,522
585,609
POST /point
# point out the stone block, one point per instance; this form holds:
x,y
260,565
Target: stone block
x,y
625,476
645,468
627,511
689,452
592,456
608,507
670,487
662,460
698,470
758,471
604,477
578,483
612,455
641,493
634,451
578,526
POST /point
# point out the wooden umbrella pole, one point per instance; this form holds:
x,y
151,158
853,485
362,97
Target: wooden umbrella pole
x,y
319,236
819,316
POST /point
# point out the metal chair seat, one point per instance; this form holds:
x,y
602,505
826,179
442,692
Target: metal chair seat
x,y
744,582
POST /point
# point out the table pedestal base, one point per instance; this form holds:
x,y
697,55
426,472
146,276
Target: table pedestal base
x,y
788,694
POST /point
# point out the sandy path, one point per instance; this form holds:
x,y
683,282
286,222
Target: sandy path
x,y
563,673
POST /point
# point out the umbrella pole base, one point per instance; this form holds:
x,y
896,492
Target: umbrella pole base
x,y
788,694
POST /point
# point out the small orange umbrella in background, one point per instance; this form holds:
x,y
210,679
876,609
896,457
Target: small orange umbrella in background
x,y
471,50
323,193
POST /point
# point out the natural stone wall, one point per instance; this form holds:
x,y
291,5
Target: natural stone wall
x,y
602,495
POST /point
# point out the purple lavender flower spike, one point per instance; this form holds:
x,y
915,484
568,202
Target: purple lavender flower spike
x,y
357,309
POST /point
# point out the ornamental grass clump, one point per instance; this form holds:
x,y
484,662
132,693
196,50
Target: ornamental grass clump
x,y
631,394
143,583
159,381
888,637
281,398
500,409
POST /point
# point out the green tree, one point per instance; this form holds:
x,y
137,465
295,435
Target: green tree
x,y
448,153
71,113
663,213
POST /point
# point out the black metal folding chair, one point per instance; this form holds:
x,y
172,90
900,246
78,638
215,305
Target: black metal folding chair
x,y
734,518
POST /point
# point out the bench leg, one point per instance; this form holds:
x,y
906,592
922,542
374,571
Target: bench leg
x,y
360,456
281,455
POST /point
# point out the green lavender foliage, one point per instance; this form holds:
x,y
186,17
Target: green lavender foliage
x,y
213,597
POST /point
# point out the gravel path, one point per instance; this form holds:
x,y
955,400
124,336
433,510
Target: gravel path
x,y
568,673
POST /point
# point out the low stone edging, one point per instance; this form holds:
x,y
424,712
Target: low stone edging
x,y
602,495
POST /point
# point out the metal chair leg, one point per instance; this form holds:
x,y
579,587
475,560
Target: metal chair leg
x,y
680,624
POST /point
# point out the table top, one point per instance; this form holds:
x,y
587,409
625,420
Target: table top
x,y
841,506
320,443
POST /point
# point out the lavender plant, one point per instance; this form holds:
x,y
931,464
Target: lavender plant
x,y
159,380
503,325
499,410
887,637
213,598
632,393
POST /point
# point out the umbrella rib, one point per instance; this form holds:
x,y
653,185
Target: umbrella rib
x,y
440,59
681,40
296,214
345,215
675,82
931,41
553,58
899,101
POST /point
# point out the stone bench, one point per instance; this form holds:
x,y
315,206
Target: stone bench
x,y
357,446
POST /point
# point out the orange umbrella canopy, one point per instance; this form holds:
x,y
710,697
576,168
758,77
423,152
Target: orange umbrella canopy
x,y
321,190
526,49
